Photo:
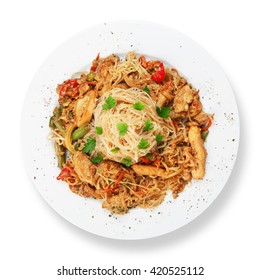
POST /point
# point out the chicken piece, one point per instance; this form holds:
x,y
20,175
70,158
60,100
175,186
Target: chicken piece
x,y
108,169
83,88
116,204
186,176
105,64
161,100
199,150
148,170
202,118
195,107
84,108
165,94
83,167
183,98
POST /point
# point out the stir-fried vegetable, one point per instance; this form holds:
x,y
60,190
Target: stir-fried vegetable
x,y
61,154
119,179
72,83
65,172
79,132
56,123
204,134
159,75
91,76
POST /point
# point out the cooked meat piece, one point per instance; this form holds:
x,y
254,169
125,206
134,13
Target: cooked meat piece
x,y
84,108
148,170
108,168
83,88
202,118
199,152
186,175
83,167
182,99
195,107
116,204
161,100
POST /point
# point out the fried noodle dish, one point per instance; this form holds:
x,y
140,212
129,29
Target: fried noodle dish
x,y
127,131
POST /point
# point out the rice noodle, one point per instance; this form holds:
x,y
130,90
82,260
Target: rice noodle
x,y
124,112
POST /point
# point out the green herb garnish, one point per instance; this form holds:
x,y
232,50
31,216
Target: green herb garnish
x,y
109,103
158,137
163,112
146,89
97,159
143,144
139,106
148,126
89,146
115,150
127,162
122,128
99,130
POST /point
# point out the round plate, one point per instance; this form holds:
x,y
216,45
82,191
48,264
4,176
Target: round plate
x,y
152,40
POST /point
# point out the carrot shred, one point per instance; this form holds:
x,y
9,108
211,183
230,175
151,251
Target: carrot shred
x,y
98,56
157,162
143,61
145,160
141,193
95,63
120,177
175,124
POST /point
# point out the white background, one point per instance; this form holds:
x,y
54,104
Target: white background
x,y
35,241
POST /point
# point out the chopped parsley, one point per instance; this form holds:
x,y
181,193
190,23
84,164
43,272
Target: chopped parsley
x,y
143,144
139,106
109,103
159,137
122,128
89,146
163,112
97,159
115,150
148,126
99,130
127,162
146,89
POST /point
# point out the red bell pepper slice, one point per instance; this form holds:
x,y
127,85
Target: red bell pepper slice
x,y
159,75
65,173
66,85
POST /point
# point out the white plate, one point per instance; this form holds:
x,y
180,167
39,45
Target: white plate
x,y
152,40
